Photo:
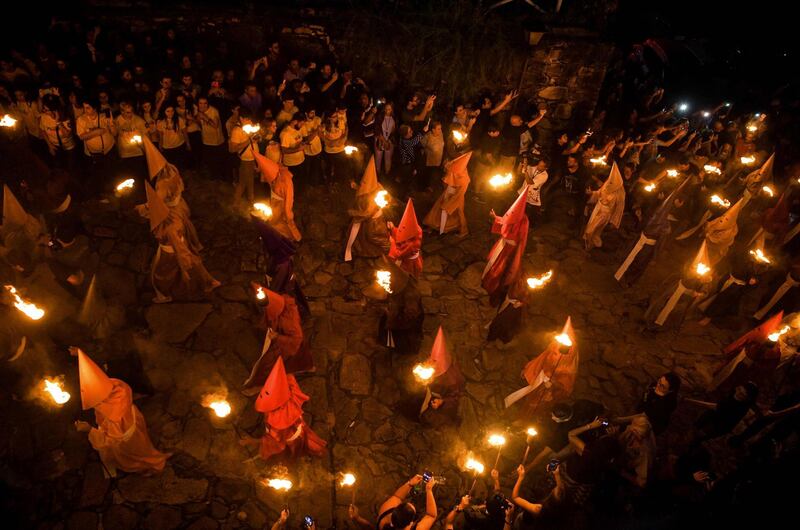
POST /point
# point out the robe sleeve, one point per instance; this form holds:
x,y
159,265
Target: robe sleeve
x,y
182,252
290,333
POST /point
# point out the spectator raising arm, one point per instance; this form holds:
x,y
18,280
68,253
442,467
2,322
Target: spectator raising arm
x,y
528,506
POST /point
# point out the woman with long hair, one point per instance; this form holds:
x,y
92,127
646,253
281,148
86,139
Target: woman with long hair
x,y
172,137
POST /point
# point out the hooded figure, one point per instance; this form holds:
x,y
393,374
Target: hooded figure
x,y
447,213
551,375
400,327
505,259
721,232
443,393
609,207
368,235
283,340
776,221
281,403
281,201
511,313
100,318
177,272
405,242
169,187
693,281
121,434
280,265
757,346
653,236
778,295
19,230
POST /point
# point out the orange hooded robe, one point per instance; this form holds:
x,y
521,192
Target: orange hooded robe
x,y
447,213
405,242
505,259
281,201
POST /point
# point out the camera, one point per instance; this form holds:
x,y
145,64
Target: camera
x,y
308,521
381,101
426,477
552,465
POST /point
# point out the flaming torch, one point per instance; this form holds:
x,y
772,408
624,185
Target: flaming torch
x,y
217,403
768,190
136,139
381,200
564,340
31,310
712,169
702,269
649,188
423,372
759,256
747,160
260,293
500,181
476,467
778,334
281,485
531,432
672,173
716,199
752,128
252,129
384,279
7,121
262,210
350,149
599,161
349,479
458,136
56,391
497,440
537,282
125,186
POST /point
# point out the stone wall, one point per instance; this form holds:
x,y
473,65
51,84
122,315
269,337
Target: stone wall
x,y
566,73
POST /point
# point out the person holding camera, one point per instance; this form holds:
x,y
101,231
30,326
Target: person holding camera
x,y
548,512
398,514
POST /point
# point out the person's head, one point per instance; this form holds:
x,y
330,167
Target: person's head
x,y
515,120
413,101
486,103
493,130
126,109
186,62
460,110
169,111
669,383
180,101
275,49
127,75
245,116
202,103
166,82
297,120
251,90
638,430
746,392
20,96
270,125
388,109
561,412
436,128
327,70
217,76
542,164
288,104
147,106
187,80
405,131
628,170
572,164
363,100
90,107
717,126
403,516
562,139
294,66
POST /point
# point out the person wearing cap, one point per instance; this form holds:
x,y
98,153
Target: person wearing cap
x,y
120,437
283,340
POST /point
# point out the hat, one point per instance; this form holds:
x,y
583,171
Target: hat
x,y
440,357
369,181
96,386
155,204
155,160
408,228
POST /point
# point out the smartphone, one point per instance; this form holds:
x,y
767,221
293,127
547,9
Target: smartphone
x,y
604,423
426,477
308,521
552,465
214,84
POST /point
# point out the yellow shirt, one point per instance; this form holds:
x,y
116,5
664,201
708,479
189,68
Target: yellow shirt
x,y
291,138
126,130
171,138
29,114
100,144
314,147
336,138
285,117
55,136
238,136
212,135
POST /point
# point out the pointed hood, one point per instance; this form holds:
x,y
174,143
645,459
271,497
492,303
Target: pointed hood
x,y
93,305
757,335
721,232
658,224
409,227
560,367
369,181
776,220
13,212
613,183
275,392
156,206
612,193
516,212
456,170
767,168
762,174
269,169
276,246
440,356
96,386
275,304
155,160
569,331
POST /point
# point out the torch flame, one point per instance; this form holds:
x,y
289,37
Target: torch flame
x,y
7,121
384,279
499,181
776,335
747,160
564,340
250,129
260,293
531,431
712,169
30,310
538,282
263,210
759,255
56,391
716,199
497,440
381,200
702,269
768,190
221,408
752,128
136,139
126,184
473,465
650,187
348,479
459,136
423,372
600,161
672,173
279,484
350,149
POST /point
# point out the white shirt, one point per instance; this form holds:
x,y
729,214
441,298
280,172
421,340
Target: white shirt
x,y
211,135
534,190
100,144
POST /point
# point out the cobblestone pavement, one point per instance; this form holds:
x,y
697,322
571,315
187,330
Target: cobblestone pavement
x,y
358,391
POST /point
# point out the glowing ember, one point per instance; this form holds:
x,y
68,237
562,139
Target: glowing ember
x,y
538,282
499,181
759,255
702,269
672,173
350,149
531,431
716,199
423,372
497,440
776,335
384,279
564,340
752,128
769,191
747,160
649,188
348,479
56,391
136,139
279,484
250,129
30,310
221,408
381,200
459,136
125,185
473,465
7,121
260,293
600,161
262,210
712,169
